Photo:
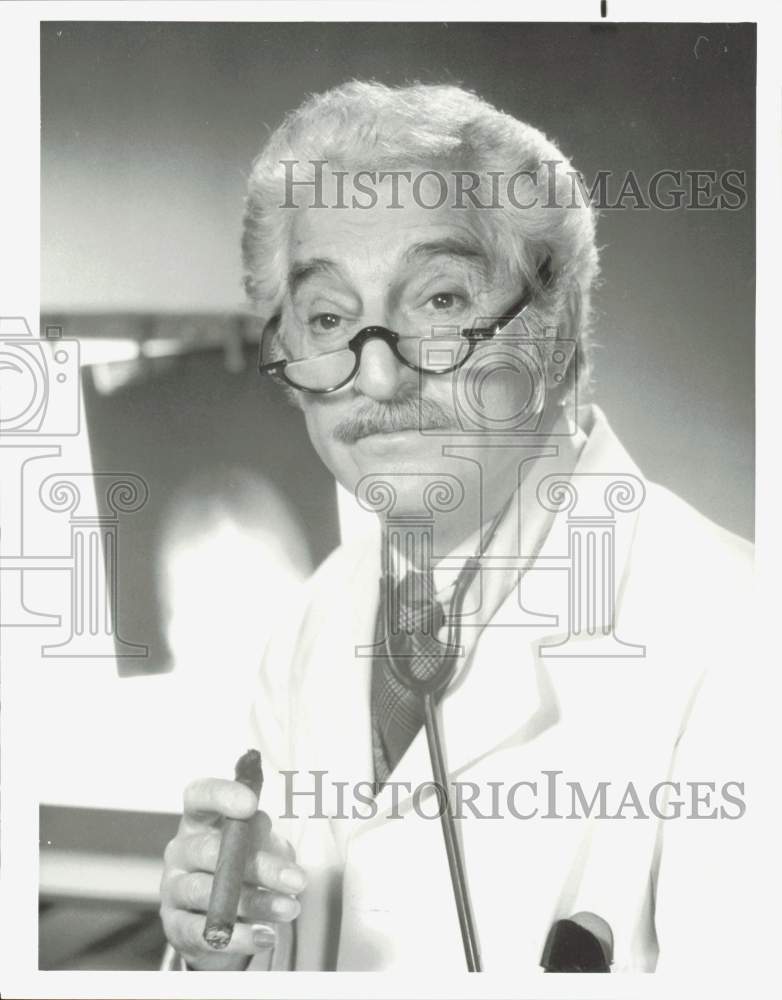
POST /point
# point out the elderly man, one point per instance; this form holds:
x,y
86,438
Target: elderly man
x,y
541,630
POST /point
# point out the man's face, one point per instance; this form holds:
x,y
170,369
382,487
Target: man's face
x,y
407,269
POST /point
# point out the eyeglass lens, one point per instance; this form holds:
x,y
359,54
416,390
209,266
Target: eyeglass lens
x,y
332,368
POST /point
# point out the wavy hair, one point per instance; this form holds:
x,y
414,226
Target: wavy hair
x,y
364,125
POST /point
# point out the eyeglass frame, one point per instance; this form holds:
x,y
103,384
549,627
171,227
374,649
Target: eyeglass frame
x,y
474,337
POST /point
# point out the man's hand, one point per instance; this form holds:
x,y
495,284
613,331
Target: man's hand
x,y
272,879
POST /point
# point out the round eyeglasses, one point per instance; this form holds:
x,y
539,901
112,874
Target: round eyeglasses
x,y
436,355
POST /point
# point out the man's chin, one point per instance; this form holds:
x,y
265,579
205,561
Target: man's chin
x,y
410,462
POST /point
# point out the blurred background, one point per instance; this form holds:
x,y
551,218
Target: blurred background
x,y
148,132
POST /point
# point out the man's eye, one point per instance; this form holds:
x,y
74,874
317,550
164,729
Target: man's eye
x,y
325,322
444,301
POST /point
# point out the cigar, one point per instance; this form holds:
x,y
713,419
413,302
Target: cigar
x,y
231,861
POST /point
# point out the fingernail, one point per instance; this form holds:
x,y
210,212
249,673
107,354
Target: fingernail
x,y
263,936
282,906
293,879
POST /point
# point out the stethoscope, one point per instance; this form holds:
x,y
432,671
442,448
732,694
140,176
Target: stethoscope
x,y
428,689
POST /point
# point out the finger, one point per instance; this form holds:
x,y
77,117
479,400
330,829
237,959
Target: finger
x,y
206,799
199,852
193,852
185,931
191,891
261,835
264,905
269,840
274,872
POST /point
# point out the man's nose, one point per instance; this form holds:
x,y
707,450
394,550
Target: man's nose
x,y
380,374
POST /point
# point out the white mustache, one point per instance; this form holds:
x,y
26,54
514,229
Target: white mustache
x,y
409,414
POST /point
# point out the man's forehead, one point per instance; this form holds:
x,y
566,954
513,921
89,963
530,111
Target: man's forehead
x,y
332,240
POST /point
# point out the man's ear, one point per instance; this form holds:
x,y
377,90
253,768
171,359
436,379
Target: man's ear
x,y
273,348
271,339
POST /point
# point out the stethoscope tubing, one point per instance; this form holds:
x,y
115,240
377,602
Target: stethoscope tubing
x,y
450,836
428,691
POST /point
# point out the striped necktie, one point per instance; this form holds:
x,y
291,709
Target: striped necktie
x,y
410,617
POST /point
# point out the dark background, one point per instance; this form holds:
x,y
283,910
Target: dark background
x,y
149,131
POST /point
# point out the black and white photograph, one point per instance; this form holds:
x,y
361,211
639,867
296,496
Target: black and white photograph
x,y
388,489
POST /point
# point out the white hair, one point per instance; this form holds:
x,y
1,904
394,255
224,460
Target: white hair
x,y
366,125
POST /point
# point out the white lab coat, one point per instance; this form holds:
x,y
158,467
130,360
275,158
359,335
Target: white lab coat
x,y
673,892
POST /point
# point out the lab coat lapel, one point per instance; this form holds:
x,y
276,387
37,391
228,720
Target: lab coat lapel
x,y
510,693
